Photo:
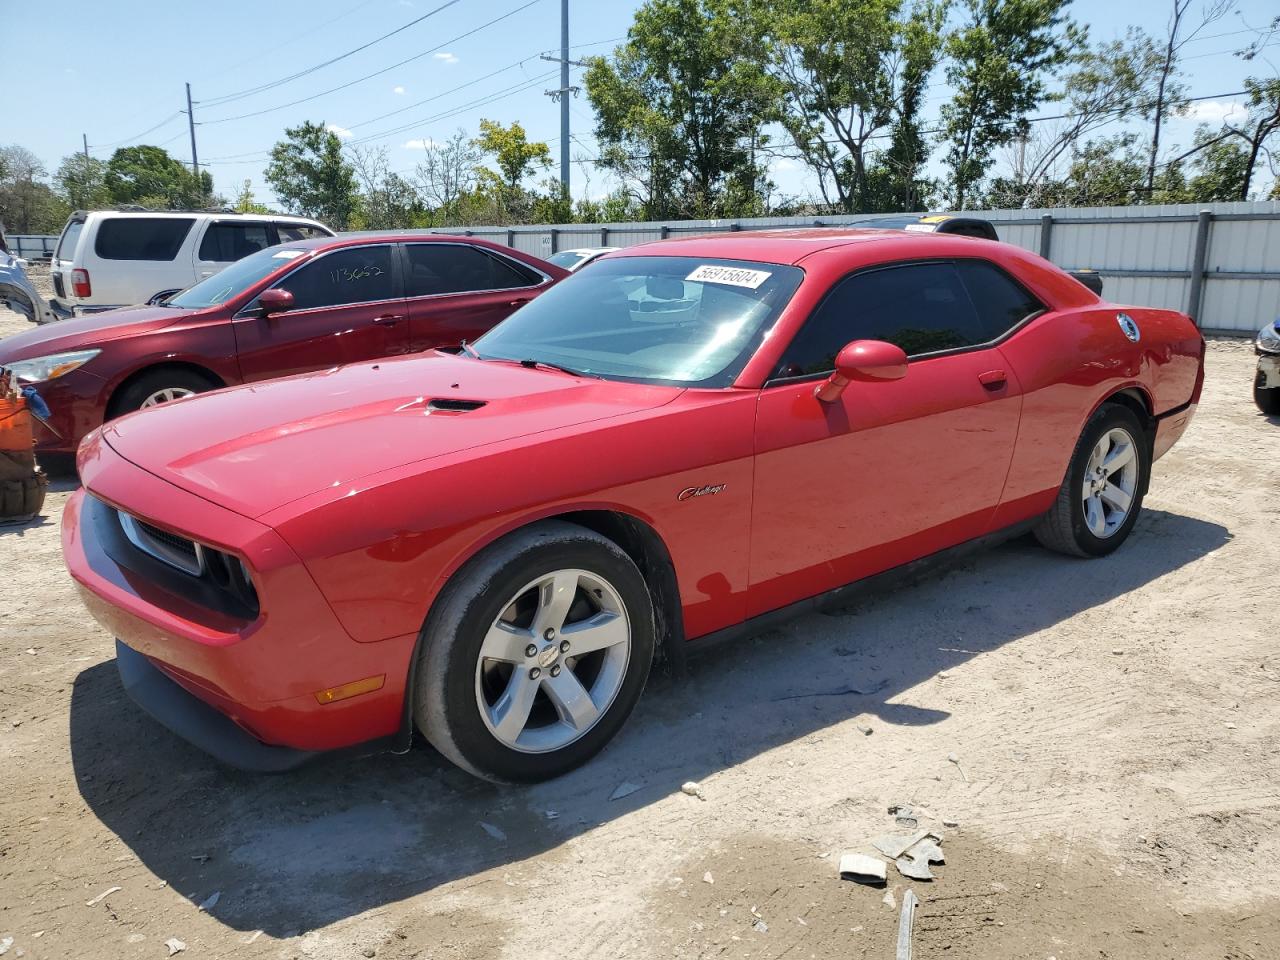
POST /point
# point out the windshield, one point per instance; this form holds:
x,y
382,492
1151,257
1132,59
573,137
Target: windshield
x,y
225,284
683,320
567,259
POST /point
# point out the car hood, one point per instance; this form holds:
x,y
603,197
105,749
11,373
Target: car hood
x,y
78,333
254,448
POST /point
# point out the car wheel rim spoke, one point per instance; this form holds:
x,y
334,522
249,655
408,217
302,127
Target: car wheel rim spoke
x,y
1110,482
165,395
553,661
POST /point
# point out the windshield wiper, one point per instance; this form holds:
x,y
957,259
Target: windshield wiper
x,y
532,364
470,351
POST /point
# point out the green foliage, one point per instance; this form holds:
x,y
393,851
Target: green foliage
x,y
27,203
1001,58
517,157
81,182
310,175
149,176
245,203
680,108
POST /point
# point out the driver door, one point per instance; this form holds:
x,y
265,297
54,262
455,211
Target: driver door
x,y
892,470
347,308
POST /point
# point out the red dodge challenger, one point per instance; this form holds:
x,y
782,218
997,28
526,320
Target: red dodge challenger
x,y
679,444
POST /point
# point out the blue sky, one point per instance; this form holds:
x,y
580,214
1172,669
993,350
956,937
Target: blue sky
x,y
115,71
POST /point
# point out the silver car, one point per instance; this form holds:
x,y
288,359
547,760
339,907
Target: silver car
x,y
16,290
1266,388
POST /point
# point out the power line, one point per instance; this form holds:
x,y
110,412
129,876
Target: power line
x,y
250,91
377,73
169,119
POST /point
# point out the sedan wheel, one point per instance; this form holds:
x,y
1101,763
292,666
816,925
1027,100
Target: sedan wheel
x,y
165,395
534,654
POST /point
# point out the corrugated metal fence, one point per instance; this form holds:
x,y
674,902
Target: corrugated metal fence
x,y
1220,262
30,246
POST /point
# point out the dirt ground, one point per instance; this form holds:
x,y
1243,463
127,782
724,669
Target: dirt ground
x,y
1116,722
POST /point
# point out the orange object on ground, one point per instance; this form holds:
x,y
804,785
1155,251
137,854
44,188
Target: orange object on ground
x,y
22,482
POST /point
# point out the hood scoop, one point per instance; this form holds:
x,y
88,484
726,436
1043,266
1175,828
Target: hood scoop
x,y
449,405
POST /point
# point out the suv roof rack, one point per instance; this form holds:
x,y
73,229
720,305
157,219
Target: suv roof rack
x,y
139,208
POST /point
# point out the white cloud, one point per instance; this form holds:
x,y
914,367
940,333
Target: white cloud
x,y
399,90
426,143
783,163
1214,111
446,57
406,3
342,133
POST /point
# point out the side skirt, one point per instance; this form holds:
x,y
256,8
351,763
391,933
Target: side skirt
x,y
891,579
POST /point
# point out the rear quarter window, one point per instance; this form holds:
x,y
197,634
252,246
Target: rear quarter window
x,y
70,237
141,238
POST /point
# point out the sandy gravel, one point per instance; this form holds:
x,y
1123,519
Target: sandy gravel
x,y
1118,722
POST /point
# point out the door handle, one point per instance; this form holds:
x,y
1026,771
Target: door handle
x,y
388,320
519,303
993,379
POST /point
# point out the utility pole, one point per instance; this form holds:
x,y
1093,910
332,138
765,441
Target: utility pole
x,y
564,92
84,138
191,123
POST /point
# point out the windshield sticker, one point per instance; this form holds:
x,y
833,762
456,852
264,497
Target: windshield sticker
x,y
287,254
733,276
920,227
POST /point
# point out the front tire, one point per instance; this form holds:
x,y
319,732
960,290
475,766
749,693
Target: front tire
x,y
1267,398
1102,494
535,654
156,387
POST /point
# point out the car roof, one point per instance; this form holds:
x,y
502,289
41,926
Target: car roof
x,y
211,214
790,246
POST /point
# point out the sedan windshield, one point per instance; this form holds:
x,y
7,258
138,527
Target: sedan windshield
x,y
225,284
679,320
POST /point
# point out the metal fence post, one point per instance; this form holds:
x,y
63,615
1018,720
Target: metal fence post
x,y
604,236
555,240
1046,234
664,232
1195,296
511,239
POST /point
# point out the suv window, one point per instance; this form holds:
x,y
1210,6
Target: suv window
x,y
292,232
67,243
227,242
436,268
141,238
350,275
1000,301
921,307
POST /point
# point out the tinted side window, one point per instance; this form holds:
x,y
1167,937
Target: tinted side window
x,y
353,275
290,232
226,242
920,307
1000,301
141,238
70,237
436,268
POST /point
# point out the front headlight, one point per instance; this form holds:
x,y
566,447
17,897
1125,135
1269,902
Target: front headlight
x,y
1269,338
39,369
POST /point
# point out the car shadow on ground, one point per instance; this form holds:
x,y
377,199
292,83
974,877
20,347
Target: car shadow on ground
x,y
292,852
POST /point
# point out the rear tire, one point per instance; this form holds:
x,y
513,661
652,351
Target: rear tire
x,y
156,387
535,654
1267,398
1101,497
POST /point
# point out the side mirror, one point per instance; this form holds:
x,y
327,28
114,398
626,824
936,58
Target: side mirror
x,y
275,301
863,360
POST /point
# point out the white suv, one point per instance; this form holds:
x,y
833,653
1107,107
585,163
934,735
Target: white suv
x,y
108,258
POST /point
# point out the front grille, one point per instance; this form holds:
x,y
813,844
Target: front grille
x,y
57,285
225,572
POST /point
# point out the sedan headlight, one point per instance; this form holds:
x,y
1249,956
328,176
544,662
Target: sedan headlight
x,y
39,369
1269,338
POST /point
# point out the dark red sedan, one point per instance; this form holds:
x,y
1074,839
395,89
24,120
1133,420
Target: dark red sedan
x,y
681,443
300,306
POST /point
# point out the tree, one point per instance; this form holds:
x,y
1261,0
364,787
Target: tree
x,y
844,72
1169,94
1105,84
679,107
149,176
1001,57
27,203
1261,126
446,173
517,157
81,182
386,200
310,175
245,202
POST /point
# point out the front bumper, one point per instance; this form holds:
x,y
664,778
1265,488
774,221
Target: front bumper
x,y
261,676
1268,371
195,721
77,403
